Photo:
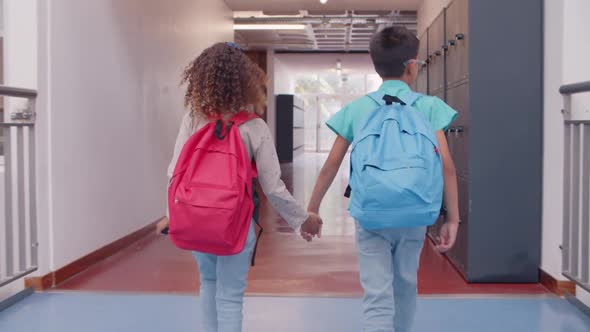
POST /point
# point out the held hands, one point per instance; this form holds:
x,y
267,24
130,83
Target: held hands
x,y
312,227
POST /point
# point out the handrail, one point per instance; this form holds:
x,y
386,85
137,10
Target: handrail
x,y
570,89
11,91
19,256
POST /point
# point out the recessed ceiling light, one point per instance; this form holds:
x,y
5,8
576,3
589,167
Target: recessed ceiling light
x,y
269,26
323,2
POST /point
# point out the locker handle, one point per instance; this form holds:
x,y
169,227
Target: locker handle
x,y
452,42
445,48
459,129
437,53
460,36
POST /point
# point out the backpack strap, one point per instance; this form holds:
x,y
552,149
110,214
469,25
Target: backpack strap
x,y
377,96
411,97
222,128
243,117
238,120
256,217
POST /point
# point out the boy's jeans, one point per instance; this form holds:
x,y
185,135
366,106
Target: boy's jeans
x,y
388,262
223,282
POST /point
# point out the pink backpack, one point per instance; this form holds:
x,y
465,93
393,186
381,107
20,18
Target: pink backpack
x,y
210,196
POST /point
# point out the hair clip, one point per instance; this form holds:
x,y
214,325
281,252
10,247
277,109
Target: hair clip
x,y
233,45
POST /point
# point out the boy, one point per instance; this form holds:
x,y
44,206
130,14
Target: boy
x,y
388,259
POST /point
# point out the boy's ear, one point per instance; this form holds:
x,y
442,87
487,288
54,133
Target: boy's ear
x,y
408,70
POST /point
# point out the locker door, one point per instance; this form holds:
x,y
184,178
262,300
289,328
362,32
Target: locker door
x,y
457,53
422,79
459,253
458,132
436,66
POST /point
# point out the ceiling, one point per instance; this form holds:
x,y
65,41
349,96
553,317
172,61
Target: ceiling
x,y
289,5
322,63
325,30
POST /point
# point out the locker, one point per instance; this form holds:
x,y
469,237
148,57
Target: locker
x,y
422,79
491,156
457,42
458,132
436,65
440,94
421,84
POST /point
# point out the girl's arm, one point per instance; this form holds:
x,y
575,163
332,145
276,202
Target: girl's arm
x,y
328,173
269,177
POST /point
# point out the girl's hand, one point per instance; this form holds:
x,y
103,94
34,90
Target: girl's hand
x,y
312,227
163,223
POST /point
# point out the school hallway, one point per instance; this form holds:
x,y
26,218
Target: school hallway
x,y
90,109
153,286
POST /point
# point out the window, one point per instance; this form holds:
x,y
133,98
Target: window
x,y
325,94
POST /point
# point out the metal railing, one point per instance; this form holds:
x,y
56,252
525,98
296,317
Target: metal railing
x,y
18,222
576,209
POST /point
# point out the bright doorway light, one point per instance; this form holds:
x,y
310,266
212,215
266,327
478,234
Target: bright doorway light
x,y
269,26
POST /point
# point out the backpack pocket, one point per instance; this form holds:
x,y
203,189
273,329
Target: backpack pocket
x,y
390,184
207,215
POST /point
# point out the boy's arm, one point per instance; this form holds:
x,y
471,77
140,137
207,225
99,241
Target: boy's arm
x,y
448,232
328,173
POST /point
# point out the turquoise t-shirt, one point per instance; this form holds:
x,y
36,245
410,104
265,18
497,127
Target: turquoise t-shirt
x,y
434,109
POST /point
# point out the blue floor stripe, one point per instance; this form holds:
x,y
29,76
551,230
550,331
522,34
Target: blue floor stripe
x,y
69,312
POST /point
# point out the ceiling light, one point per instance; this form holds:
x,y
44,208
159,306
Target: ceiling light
x,y
269,26
323,2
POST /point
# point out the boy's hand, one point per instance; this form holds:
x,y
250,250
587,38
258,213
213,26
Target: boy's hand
x,y
447,236
312,227
163,223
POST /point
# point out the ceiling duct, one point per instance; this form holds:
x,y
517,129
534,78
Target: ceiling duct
x,y
325,30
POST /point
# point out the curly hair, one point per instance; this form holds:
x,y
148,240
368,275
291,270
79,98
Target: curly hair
x,y
223,80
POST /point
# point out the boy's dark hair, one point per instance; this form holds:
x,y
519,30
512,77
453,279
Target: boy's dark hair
x,y
390,48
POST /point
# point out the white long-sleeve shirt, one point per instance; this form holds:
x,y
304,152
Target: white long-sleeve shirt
x,y
259,143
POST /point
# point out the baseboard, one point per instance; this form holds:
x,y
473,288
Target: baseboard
x,y
559,287
578,304
15,298
57,277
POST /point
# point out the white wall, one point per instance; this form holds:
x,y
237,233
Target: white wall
x,y
553,140
428,11
566,27
284,82
270,93
110,105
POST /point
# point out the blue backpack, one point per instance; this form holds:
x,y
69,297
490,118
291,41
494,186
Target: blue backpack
x,y
396,169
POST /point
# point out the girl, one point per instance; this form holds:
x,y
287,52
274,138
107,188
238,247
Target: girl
x,y
221,82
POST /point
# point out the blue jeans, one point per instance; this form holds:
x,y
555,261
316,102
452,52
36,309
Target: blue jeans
x,y
388,263
223,282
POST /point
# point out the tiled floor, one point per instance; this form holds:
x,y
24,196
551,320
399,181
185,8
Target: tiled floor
x,y
73,312
286,265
